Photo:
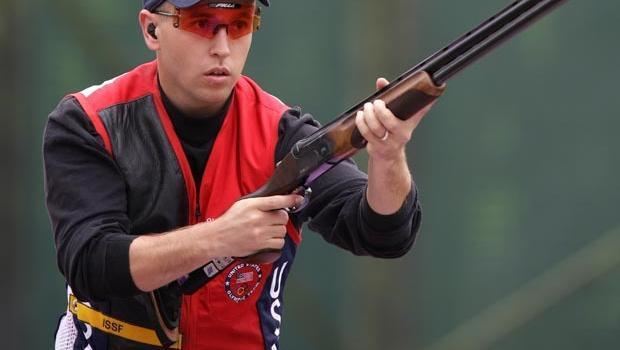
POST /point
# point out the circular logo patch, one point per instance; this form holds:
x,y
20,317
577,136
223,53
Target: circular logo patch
x,y
242,281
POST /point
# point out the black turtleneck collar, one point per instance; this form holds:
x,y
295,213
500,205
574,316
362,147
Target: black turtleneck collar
x,y
195,130
197,134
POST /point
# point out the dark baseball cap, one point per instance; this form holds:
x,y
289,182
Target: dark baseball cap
x,y
153,4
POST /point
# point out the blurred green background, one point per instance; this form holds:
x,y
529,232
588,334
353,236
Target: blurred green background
x,y
517,167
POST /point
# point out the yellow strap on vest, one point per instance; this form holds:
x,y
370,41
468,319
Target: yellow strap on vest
x,y
115,326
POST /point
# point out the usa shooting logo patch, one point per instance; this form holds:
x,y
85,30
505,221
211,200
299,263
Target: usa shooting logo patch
x,y
242,281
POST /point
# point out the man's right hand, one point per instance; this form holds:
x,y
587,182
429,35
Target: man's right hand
x,y
251,225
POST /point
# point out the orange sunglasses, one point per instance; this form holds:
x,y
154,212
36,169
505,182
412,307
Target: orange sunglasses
x,y
206,19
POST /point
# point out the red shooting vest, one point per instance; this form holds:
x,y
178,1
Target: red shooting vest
x,y
240,308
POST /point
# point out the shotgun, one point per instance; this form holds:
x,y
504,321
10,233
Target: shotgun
x,y
314,155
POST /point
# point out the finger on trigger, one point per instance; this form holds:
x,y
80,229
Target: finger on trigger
x,y
279,202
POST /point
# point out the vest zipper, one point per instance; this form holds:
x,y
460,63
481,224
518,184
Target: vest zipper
x,y
197,212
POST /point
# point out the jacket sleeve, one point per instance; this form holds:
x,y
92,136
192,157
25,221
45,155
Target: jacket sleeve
x,y
86,202
338,209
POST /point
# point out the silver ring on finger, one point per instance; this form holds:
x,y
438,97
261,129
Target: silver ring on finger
x,y
385,136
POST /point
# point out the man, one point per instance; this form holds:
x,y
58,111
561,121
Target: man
x,y
144,175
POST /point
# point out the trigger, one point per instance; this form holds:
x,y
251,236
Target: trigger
x,y
306,192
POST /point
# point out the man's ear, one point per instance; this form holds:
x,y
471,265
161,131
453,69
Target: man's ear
x,y
151,30
148,25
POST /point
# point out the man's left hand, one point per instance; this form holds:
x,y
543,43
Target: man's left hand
x,y
389,178
386,134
